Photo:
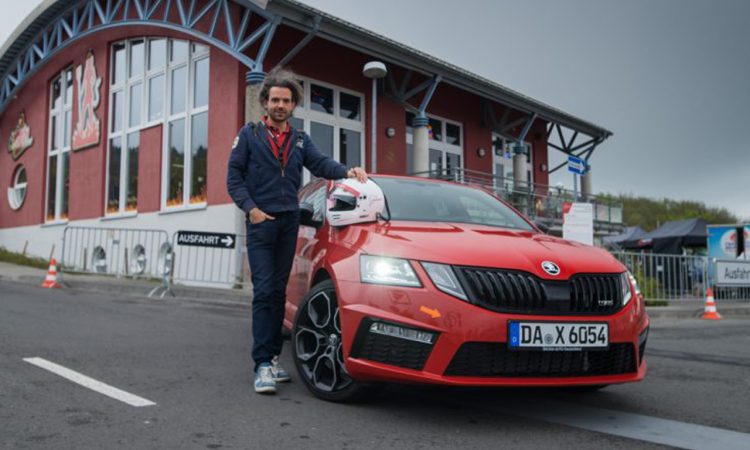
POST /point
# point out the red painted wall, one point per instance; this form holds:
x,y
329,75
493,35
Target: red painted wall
x,y
88,166
538,138
320,60
341,66
226,112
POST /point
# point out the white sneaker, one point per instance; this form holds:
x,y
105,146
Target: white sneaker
x,y
264,383
278,373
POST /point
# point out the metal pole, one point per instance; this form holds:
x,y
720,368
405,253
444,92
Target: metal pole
x,y
374,131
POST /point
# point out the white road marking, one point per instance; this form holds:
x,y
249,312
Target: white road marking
x,y
633,426
88,382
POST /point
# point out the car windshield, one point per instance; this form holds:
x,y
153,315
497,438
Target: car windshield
x,y
446,202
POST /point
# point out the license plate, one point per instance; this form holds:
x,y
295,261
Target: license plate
x,y
557,336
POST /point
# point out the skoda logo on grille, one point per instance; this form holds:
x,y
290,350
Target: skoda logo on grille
x,y
551,268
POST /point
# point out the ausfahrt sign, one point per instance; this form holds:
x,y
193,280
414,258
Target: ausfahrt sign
x,y
203,239
736,273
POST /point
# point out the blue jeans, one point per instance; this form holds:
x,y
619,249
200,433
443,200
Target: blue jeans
x,y
270,249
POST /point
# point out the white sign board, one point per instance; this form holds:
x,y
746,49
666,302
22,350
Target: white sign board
x,y
733,273
578,223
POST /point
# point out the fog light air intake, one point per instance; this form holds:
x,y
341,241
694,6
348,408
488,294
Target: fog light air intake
x,y
393,344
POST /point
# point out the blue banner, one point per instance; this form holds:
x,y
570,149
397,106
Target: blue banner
x,y
723,241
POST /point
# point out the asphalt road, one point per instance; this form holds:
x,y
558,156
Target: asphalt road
x,y
192,360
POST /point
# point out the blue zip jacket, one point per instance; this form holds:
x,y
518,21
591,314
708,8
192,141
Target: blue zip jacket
x,y
255,176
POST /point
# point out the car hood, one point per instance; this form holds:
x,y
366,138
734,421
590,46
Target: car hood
x,y
477,245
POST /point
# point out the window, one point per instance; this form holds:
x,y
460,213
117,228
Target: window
x,y
186,132
17,189
446,151
333,117
126,119
158,81
58,154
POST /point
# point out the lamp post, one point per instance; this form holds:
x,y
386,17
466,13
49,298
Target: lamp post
x,y
374,70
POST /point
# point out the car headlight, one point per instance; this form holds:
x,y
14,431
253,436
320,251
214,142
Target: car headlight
x,y
627,293
444,278
384,270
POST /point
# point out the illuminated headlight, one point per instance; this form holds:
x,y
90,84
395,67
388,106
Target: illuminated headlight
x,y
627,293
445,280
382,270
410,334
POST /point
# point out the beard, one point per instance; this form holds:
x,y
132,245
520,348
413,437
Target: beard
x,y
279,115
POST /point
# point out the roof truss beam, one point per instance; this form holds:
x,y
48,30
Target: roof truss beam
x,y
399,92
82,18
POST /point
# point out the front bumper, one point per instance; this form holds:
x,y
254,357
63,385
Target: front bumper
x,y
470,347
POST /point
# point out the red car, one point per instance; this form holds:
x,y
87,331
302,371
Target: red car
x,y
450,285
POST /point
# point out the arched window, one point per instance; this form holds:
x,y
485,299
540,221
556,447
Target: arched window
x,y
17,189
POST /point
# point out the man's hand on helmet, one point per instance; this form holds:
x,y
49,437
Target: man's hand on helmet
x,y
358,173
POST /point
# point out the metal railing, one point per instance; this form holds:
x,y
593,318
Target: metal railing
x,y
209,265
537,201
115,251
667,277
150,253
205,266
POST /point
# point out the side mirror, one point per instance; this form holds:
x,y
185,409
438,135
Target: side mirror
x,y
306,212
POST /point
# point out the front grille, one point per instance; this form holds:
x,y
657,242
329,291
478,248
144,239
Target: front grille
x,y
523,293
492,359
587,291
388,349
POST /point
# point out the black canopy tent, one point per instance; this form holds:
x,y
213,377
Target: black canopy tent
x,y
672,237
630,234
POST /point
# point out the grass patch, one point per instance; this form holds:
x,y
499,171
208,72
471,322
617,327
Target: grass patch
x,y
657,303
21,260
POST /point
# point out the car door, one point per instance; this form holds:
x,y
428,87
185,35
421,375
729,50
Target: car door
x,y
314,193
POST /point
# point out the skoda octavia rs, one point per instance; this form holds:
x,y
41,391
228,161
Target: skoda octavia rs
x,y
411,280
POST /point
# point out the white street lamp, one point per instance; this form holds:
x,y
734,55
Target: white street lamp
x,y
374,70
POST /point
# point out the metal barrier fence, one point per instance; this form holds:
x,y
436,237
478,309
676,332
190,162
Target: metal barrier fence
x,y
205,259
675,277
116,251
211,259
667,277
208,265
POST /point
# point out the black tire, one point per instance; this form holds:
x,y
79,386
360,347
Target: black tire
x,y
317,348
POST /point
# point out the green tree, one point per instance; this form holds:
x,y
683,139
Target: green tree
x,y
649,213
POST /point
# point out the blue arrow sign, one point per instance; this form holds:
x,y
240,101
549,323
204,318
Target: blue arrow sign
x,y
576,165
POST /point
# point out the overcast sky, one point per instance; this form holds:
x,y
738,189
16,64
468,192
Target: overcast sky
x,y
670,78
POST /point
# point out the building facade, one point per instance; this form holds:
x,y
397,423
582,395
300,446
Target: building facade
x,y
122,114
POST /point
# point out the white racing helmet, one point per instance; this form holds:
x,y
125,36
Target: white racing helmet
x,y
352,202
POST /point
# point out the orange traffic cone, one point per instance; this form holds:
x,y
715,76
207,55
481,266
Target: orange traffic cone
x,y
710,312
51,280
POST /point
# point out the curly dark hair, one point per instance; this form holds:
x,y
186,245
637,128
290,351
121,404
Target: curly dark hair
x,y
282,78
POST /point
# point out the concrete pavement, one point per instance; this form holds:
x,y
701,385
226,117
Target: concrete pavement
x,y
192,361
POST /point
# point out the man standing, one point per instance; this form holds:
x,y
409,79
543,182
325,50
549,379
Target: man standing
x,y
264,175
